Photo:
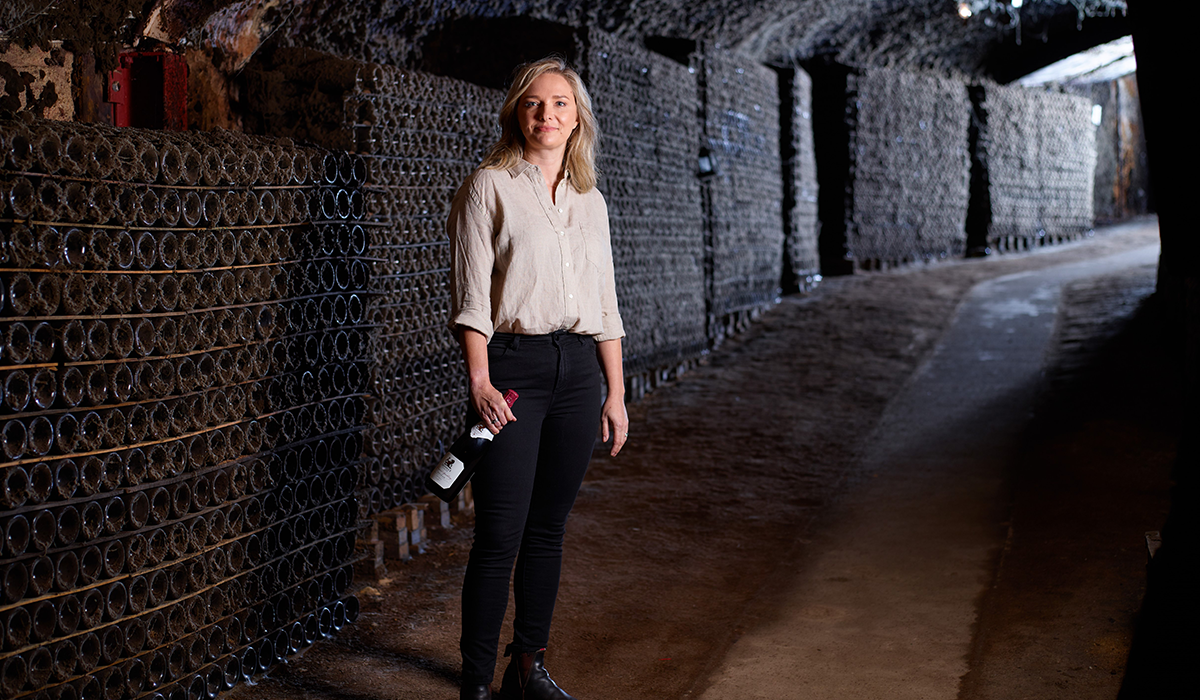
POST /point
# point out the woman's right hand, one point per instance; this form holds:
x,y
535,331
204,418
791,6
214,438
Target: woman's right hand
x,y
489,403
485,399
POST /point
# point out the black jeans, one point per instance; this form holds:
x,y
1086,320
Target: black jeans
x,y
524,489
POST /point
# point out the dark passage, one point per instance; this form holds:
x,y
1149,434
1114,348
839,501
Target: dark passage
x,y
1088,485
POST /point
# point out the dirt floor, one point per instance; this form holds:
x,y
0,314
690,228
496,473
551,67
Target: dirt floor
x,y
727,472
1090,482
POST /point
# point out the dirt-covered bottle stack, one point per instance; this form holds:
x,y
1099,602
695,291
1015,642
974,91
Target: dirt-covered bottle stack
x,y
419,136
744,208
182,377
906,200
646,105
1041,152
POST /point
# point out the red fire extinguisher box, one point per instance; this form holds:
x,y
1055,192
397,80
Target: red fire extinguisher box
x,y
149,90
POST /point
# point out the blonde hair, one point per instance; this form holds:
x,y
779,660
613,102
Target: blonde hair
x,y
580,156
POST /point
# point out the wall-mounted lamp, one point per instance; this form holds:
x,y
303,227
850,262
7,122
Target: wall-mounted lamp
x,y
706,164
964,10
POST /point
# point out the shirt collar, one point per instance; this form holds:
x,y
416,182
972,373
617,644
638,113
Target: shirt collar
x,y
524,167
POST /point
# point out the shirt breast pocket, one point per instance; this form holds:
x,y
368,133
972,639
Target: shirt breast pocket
x,y
593,247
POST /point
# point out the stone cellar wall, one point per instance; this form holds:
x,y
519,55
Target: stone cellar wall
x,y
1122,184
744,209
647,105
181,405
909,167
1041,165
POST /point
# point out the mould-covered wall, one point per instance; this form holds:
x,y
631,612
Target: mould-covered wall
x,y
418,393
37,82
743,208
1041,155
647,107
181,383
909,167
802,261
99,28
1122,181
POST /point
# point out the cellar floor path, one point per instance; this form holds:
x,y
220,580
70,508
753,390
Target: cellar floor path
x,y
877,491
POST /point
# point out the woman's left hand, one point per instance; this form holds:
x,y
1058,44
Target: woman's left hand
x,y
614,421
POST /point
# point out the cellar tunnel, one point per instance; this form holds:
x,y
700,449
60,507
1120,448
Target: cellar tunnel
x,y
224,266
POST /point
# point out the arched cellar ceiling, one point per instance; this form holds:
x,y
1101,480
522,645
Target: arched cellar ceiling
x,y
915,33
919,33
998,41
929,33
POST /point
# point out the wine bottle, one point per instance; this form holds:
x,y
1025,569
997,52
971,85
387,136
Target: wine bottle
x,y
455,469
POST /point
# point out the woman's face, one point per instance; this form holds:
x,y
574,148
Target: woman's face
x,y
546,114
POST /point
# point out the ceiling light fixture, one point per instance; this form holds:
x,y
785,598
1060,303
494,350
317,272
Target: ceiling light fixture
x,y
1006,15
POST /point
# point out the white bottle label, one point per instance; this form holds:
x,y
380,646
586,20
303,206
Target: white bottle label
x,y
479,431
447,471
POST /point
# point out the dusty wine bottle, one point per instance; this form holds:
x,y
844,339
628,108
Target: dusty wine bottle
x,y
455,469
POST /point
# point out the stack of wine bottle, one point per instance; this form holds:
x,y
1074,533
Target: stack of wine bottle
x,y
741,112
1040,150
909,167
646,105
419,136
418,390
802,257
184,355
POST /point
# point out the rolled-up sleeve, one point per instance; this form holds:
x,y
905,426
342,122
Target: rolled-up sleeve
x,y
472,257
610,316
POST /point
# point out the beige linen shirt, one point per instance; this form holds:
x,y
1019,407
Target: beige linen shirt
x,y
521,263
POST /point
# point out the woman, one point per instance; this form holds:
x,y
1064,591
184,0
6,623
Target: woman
x,y
534,308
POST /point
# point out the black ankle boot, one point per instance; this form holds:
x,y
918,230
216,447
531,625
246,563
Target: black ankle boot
x,y
471,691
526,679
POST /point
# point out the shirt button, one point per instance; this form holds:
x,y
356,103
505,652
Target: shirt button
x,y
562,233
570,296
568,264
560,210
